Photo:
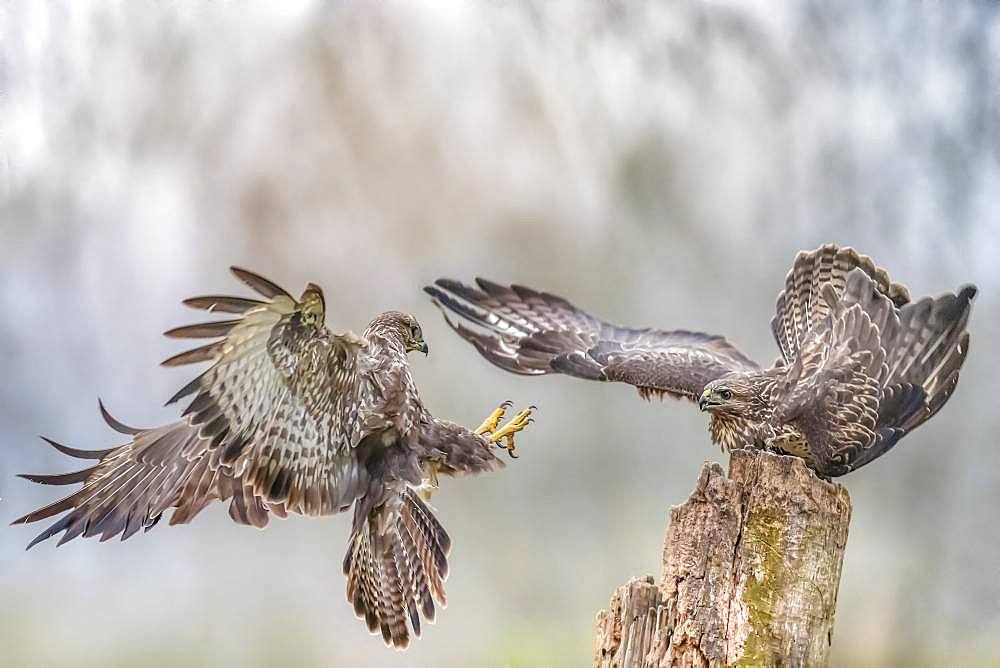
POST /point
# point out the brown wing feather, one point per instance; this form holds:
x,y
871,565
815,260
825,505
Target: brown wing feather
x,y
529,332
132,485
832,391
871,372
930,348
454,448
272,425
800,305
283,402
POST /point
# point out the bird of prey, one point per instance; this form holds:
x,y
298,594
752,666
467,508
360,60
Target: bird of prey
x,y
292,417
861,365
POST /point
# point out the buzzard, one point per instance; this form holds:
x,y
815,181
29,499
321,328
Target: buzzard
x,y
861,365
292,417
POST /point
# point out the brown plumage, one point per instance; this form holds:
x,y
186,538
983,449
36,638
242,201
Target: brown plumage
x,y
292,418
861,364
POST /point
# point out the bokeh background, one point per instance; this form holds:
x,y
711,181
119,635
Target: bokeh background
x,y
657,163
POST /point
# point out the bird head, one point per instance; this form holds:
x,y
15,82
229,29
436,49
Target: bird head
x,y
731,394
415,337
401,327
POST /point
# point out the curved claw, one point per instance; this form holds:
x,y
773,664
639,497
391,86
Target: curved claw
x,y
504,436
491,423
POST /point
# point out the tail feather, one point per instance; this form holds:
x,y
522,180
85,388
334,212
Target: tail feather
x,y
396,564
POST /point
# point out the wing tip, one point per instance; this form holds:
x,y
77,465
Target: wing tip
x,y
118,426
76,452
258,283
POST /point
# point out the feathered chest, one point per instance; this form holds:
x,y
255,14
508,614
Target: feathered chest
x,y
731,432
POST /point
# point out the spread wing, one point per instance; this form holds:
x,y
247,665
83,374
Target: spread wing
x,y
869,372
832,390
285,400
529,332
800,305
272,425
455,449
132,485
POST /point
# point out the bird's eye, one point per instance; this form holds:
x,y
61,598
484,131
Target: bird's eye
x,y
415,331
726,394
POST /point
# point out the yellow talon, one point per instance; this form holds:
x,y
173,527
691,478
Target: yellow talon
x,y
490,424
506,432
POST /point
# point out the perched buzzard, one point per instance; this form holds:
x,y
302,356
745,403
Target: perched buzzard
x,y
861,365
294,418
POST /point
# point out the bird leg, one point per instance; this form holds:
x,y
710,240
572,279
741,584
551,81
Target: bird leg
x,y
506,432
430,481
490,424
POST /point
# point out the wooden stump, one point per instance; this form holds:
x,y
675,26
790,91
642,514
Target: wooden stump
x,y
751,568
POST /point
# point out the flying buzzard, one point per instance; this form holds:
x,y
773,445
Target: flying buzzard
x,y
861,365
294,418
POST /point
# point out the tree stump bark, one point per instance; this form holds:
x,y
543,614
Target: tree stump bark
x,y
751,568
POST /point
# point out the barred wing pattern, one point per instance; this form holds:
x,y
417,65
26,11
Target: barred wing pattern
x,y
272,427
861,365
800,305
870,372
131,486
291,417
529,332
283,402
833,389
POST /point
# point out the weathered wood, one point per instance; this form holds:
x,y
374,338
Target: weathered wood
x,y
751,568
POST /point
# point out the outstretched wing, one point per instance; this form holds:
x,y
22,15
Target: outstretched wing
x,y
132,485
396,564
285,400
529,332
800,306
454,449
273,424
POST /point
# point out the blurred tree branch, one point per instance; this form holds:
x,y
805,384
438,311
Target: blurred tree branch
x,y
751,568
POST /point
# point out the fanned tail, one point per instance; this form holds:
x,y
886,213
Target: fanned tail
x,y
396,565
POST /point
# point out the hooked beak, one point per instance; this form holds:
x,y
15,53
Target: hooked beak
x,y
423,348
703,403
